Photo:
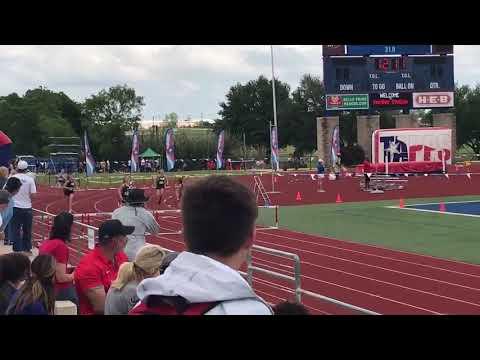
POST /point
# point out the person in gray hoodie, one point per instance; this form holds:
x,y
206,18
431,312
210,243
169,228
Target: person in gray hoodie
x,y
219,229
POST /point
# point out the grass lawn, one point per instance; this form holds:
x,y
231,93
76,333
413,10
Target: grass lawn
x,y
441,235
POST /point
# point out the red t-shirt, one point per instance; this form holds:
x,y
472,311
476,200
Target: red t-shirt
x,y
94,270
59,250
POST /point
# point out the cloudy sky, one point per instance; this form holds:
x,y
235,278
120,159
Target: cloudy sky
x,y
188,80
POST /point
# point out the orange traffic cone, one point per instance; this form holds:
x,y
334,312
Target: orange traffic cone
x,y
299,197
339,199
442,207
401,205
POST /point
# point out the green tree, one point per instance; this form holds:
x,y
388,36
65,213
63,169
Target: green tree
x,y
249,109
171,120
467,111
59,105
30,120
119,105
300,127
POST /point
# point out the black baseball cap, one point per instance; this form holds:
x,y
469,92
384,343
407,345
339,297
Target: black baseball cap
x,y
111,228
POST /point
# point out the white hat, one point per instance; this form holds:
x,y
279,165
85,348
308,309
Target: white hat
x,y
22,165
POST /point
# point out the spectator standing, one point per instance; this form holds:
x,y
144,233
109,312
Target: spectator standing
x,y
22,211
3,176
122,295
96,270
37,294
320,167
4,200
219,230
134,214
12,186
56,246
14,269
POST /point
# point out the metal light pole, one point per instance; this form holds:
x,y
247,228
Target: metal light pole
x,y
273,89
274,170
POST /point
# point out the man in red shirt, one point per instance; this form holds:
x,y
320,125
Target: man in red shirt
x,y
96,270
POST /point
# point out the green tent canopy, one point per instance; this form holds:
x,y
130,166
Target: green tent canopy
x,y
149,153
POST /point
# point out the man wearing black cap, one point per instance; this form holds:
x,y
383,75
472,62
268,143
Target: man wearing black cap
x,y
99,268
134,214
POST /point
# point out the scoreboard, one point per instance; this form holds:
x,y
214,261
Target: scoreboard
x,y
398,81
373,74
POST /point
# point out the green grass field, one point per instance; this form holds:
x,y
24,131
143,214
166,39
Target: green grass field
x,y
440,235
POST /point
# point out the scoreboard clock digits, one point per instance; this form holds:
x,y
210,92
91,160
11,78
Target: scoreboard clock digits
x,y
390,64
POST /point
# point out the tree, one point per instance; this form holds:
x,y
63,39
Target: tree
x,y
30,120
59,105
467,111
249,109
171,120
300,127
119,105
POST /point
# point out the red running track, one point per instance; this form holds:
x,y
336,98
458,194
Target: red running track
x,y
382,280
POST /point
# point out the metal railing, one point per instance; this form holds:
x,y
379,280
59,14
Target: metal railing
x,y
295,279
88,232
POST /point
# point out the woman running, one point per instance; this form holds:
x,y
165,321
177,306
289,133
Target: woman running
x,y
123,190
179,190
160,184
68,190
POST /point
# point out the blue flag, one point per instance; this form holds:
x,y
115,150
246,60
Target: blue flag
x,y
89,160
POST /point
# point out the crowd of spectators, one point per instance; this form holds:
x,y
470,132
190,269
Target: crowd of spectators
x,y
124,275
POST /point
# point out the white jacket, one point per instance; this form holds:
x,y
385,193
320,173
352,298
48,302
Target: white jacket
x,y
198,278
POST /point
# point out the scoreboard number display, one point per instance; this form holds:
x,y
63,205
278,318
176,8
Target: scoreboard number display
x,y
390,74
400,74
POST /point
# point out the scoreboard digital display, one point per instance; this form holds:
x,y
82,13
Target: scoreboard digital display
x,y
344,75
388,49
366,50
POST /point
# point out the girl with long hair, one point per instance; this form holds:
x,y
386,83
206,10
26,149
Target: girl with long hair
x,y
122,295
37,294
56,246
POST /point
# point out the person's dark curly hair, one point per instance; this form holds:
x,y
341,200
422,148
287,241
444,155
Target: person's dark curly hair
x,y
62,226
290,308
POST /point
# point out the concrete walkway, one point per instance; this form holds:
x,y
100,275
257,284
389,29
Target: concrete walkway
x,y
7,249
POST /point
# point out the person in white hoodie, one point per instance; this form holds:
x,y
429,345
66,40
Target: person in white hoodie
x,y
219,229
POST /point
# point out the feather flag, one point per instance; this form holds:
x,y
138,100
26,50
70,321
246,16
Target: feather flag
x,y
335,149
89,160
170,149
274,148
134,158
220,146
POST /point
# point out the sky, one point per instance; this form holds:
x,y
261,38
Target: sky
x,y
188,80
